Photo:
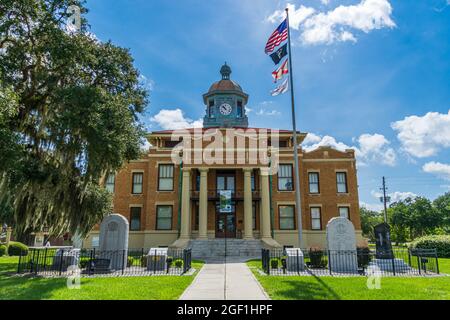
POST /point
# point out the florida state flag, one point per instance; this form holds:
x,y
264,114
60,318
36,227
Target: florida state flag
x,y
281,71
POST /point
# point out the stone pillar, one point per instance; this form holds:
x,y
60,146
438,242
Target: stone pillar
x,y
203,205
248,204
186,205
265,204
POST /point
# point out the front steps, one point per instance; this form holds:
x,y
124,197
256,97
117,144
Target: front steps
x,y
231,247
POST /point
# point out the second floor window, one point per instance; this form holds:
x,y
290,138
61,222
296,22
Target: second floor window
x,y
314,182
341,179
316,220
165,180
138,179
135,219
110,182
285,181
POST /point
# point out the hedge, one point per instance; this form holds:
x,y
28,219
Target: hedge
x,y
2,250
16,249
441,243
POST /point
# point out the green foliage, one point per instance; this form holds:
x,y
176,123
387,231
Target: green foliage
x,y
178,263
2,250
315,258
69,114
16,249
274,262
369,219
412,218
442,205
441,243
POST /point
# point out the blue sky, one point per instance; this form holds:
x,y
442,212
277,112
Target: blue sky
x,y
369,74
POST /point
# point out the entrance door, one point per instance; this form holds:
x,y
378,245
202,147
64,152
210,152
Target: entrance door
x,y
226,222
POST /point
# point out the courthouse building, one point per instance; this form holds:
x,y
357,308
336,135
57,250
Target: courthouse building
x,y
229,181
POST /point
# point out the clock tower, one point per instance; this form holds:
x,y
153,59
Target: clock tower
x,y
225,103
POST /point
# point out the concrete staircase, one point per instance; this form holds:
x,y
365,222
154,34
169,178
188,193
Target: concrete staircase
x,y
231,247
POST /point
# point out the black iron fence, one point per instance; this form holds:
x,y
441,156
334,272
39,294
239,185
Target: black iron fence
x,y
399,262
60,262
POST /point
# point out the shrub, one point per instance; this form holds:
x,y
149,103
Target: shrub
x,y
130,261
2,250
441,243
274,263
178,263
364,257
315,257
16,249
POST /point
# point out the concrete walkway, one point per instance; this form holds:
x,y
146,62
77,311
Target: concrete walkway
x,y
220,280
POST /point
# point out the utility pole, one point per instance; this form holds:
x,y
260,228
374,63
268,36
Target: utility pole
x,y
385,200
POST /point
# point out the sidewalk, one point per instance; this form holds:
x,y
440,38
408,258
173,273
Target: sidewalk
x,y
218,280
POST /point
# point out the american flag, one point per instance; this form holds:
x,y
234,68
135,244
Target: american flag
x,y
277,37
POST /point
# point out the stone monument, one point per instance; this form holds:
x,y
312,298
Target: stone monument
x,y
341,242
383,241
114,232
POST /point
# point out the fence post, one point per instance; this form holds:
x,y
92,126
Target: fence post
x,y
298,262
124,261
437,262
418,263
45,260
90,262
393,265
329,262
61,262
36,270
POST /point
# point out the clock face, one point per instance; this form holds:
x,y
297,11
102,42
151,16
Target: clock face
x,y
225,109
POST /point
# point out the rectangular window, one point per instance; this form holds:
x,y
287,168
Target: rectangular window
x,y
137,183
314,182
341,179
287,217
283,144
164,218
165,180
344,212
316,220
135,219
285,181
110,182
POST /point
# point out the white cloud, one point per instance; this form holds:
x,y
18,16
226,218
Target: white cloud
x,y
326,2
370,148
265,112
145,145
174,120
424,136
329,27
375,148
296,16
371,206
440,170
395,196
335,25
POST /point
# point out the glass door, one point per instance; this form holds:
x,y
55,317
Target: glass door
x,y
226,221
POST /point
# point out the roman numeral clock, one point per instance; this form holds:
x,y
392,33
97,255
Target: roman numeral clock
x,y
225,103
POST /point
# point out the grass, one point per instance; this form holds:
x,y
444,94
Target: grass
x,y
354,288
131,288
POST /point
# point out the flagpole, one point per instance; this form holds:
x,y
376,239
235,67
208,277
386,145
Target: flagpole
x,y
298,205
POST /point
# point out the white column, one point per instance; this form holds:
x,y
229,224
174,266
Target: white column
x,y
186,205
203,205
248,204
265,204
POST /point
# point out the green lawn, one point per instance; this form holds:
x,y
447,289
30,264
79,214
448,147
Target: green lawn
x,y
132,288
355,288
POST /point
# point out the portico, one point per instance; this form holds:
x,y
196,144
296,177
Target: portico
x,y
203,186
